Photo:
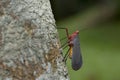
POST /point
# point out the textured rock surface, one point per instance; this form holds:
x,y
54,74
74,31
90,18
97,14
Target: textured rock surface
x,y
29,45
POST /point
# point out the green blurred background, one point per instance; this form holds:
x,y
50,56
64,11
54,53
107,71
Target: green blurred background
x,y
99,25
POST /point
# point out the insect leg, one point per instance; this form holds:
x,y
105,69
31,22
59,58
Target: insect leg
x,y
66,55
64,45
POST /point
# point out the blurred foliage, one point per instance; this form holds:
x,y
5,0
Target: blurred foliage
x,y
99,25
100,50
65,8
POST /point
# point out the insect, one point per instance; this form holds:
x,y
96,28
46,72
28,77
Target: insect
x,y
74,51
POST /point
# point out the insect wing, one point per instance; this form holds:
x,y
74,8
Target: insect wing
x,y
76,55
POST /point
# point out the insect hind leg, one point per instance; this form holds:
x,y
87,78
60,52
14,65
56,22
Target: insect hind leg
x,y
66,55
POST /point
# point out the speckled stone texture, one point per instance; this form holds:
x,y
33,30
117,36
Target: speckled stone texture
x,y
29,44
